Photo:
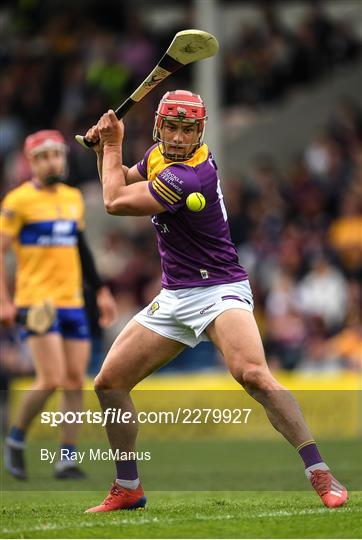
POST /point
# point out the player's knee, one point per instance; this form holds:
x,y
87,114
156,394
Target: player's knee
x,y
98,383
74,383
104,381
257,379
48,385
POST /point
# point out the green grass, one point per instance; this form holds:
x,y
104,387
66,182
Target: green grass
x,y
277,501
181,515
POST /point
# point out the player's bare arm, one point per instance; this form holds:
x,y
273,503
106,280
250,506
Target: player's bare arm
x,y
120,198
131,173
7,307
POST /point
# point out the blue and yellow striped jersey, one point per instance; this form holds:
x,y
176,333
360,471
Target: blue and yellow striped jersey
x,y
43,224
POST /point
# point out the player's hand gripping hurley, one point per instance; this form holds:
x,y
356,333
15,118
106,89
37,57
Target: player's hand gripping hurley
x,y
187,46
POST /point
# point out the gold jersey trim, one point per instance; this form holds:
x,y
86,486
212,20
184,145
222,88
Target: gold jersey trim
x,y
156,162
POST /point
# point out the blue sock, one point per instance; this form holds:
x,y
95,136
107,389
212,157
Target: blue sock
x,y
17,434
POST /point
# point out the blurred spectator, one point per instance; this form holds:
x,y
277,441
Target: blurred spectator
x,y
345,125
286,332
345,234
346,346
317,359
322,292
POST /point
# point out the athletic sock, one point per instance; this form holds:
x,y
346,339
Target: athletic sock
x,y
318,466
127,475
309,453
17,434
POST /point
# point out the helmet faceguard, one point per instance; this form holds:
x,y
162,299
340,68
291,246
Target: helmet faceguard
x,y
184,107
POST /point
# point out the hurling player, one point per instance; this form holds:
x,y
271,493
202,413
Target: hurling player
x,y
43,221
205,291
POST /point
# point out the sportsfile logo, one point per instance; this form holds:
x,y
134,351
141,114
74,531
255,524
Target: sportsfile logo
x,y
179,415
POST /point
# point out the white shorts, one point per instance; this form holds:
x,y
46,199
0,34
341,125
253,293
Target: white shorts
x,y
184,314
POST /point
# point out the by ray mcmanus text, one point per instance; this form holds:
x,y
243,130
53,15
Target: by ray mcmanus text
x,y
92,454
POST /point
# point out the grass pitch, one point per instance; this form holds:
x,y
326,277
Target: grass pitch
x,y
41,510
181,515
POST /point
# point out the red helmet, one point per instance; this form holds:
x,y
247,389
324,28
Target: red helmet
x,y
184,106
43,140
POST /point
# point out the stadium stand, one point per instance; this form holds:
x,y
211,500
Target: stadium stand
x,y
296,218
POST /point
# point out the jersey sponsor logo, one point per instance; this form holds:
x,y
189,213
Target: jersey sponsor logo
x,y
202,311
165,192
56,241
62,227
169,176
175,186
49,233
153,308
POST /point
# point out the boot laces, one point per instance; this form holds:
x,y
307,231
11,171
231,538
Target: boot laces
x,y
321,481
115,490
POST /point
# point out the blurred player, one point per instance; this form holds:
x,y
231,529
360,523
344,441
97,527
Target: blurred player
x,y
43,221
205,292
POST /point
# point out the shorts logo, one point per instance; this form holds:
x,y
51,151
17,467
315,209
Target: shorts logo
x,y
204,273
153,308
202,311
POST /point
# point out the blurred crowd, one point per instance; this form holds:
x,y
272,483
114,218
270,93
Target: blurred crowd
x,y
65,65
297,226
299,233
266,59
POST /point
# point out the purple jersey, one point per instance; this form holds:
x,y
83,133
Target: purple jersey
x,y
195,247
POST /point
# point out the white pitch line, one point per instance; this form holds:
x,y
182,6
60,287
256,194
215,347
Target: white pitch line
x,y
198,517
